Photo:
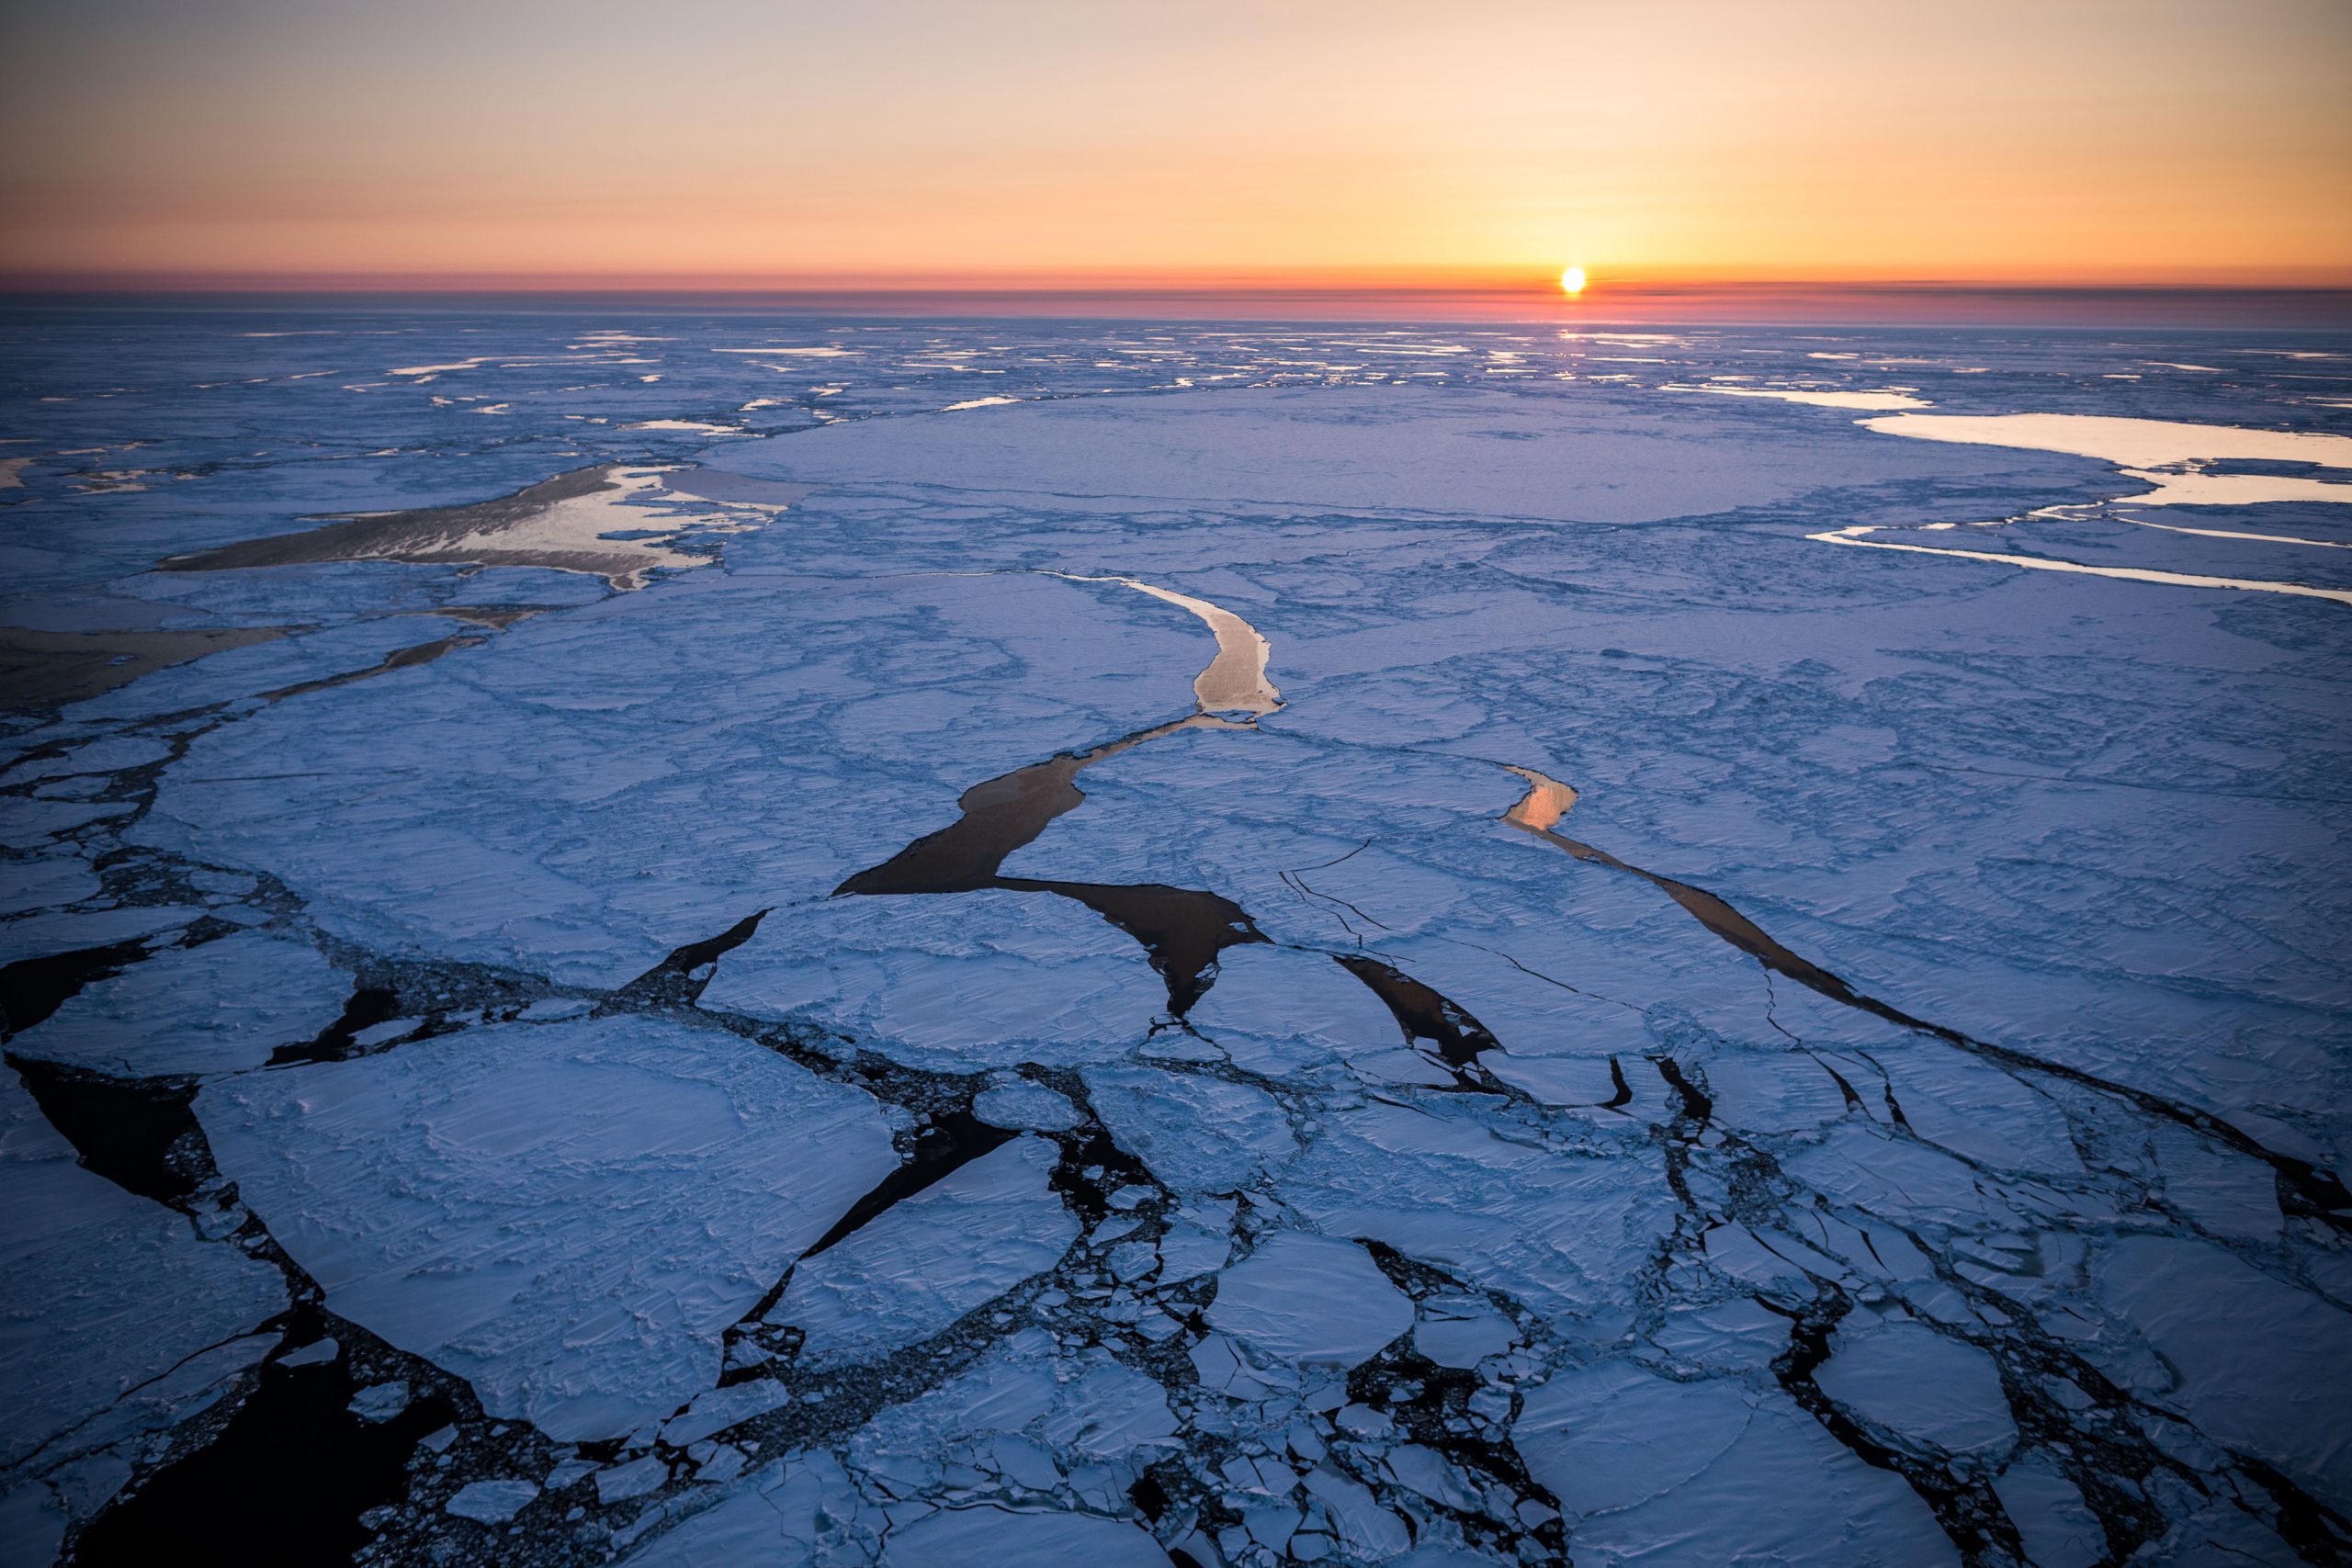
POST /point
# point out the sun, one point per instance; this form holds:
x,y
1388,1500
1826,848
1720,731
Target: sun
x,y
1572,281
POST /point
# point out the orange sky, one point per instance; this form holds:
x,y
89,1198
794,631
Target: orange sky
x,y
750,141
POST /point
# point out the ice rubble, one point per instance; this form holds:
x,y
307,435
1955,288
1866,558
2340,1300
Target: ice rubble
x,y
436,1193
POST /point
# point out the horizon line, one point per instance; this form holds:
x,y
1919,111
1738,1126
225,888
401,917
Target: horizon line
x,y
1509,281
1485,294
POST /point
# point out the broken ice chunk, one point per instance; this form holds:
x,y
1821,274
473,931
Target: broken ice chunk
x,y
219,1007
1681,1474
1279,1009
493,1502
1560,1231
634,1478
776,1515
1019,1106
723,1463
375,1034
1462,1331
723,1407
568,1214
919,1266
1197,1133
2201,1308
1186,1252
1365,1528
568,1471
1772,1091
1310,1299
1975,1109
2224,1192
44,884
380,1402
2059,1530
1926,1386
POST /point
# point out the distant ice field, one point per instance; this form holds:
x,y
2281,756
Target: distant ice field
x,y
695,939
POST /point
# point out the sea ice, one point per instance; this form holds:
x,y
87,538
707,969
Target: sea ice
x,y
916,1267
2203,1310
1196,1134
1654,1471
493,1502
1921,1385
567,1214
1018,1106
1310,1299
222,1006
1278,1010
1658,824
956,982
1383,450
115,1319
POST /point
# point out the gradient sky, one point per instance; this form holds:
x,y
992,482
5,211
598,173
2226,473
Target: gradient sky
x,y
2017,140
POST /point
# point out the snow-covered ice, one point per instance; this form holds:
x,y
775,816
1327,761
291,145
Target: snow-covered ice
x,y
566,1214
1283,943
217,1007
1310,1299
965,1240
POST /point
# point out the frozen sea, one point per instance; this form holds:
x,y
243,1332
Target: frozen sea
x,y
685,939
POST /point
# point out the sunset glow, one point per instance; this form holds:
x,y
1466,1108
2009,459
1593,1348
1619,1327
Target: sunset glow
x,y
1572,281
908,143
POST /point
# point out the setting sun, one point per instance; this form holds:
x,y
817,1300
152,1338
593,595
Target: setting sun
x,y
1572,281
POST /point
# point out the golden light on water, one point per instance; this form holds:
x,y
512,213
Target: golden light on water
x,y
1572,281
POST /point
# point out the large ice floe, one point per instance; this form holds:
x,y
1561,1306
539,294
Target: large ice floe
x,y
437,1195
1274,944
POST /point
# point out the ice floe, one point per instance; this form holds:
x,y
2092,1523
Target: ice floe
x,y
1310,1299
217,1007
120,1321
566,1214
915,1269
985,979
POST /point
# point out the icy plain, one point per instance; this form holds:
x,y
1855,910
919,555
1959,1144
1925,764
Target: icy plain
x,y
689,939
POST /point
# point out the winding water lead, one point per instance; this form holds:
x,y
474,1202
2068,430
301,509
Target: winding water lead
x,y
1235,681
1183,930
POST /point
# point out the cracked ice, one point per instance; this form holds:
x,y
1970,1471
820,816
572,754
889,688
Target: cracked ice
x,y
1315,968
